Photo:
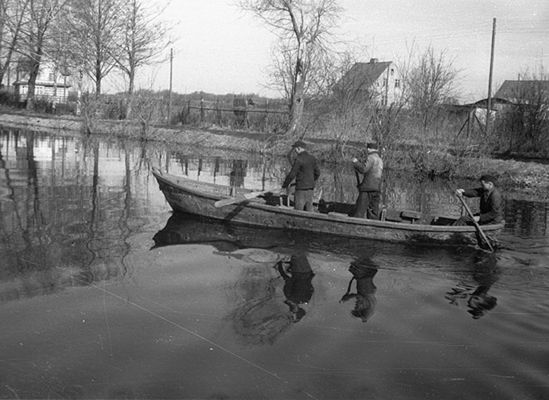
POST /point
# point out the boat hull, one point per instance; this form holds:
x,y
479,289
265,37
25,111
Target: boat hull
x,y
198,198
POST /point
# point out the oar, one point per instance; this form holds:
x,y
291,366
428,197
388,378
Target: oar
x,y
238,199
477,226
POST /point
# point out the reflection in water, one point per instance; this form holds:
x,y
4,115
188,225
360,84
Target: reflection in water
x,y
298,288
260,317
66,219
485,273
237,175
224,236
77,211
363,270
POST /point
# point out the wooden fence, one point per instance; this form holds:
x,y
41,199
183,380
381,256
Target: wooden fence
x,y
261,117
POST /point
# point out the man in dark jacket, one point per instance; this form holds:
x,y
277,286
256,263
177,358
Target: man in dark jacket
x,y
369,189
491,203
305,171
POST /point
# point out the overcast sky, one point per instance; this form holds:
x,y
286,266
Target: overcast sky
x,y
220,49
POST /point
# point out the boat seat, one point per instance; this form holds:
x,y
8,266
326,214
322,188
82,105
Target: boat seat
x,y
410,215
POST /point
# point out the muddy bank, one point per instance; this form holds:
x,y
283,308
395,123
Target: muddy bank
x,y
523,178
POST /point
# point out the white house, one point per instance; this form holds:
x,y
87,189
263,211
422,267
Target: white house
x,y
376,80
50,85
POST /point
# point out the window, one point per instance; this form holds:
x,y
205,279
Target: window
x,y
384,82
397,83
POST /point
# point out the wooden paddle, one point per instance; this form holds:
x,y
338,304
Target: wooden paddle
x,y
477,226
239,199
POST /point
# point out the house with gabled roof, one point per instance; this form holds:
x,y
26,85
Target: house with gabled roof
x,y
524,91
375,80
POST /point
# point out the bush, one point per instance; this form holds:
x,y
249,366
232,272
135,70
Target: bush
x,y
8,98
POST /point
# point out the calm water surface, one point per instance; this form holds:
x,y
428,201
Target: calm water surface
x,y
104,293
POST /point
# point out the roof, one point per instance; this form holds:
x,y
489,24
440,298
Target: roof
x,y
513,90
362,75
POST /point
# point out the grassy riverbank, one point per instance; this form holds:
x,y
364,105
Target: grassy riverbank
x,y
529,178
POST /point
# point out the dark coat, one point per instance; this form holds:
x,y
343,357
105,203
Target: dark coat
x,y
305,171
372,172
491,204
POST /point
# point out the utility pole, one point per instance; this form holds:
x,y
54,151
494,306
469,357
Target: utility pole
x,y
489,105
170,92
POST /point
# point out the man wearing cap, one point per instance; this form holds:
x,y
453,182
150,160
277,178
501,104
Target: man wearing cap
x,y
305,171
491,204
369,190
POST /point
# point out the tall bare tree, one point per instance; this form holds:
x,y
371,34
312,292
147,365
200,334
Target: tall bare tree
x,y
143,39
429,80
303,28
12,13
35,36
96,26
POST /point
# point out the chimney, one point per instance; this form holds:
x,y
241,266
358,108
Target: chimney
x,y
373,60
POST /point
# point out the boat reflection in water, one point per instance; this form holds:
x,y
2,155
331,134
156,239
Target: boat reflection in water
x,y
184,228
474,293
226,236
363,270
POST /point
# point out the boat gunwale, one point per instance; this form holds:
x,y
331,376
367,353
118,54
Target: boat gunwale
x,y
173,180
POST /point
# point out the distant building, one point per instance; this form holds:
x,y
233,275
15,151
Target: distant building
x,y
51,84
375,80
524,92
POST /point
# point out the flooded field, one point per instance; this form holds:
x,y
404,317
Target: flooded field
x,y
105,293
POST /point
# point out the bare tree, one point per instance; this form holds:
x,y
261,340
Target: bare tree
x,y
144,39
526,120
142,42
12,13
429,80
95,26
35,36
303,28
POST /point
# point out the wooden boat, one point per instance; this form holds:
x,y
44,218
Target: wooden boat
x,y
199,198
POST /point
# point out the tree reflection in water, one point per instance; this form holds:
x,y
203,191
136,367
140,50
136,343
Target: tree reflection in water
x,y
261,316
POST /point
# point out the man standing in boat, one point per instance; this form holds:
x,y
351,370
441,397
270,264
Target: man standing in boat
x,y
305,171
491,203
369,190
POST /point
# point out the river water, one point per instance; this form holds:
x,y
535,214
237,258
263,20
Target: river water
x,y
105,293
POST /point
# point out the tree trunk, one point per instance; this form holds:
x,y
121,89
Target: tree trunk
x,y
131,79
97,85
33,74
297,102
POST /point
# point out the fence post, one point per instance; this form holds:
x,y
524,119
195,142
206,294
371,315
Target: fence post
x,y
201,110
217,112
266,126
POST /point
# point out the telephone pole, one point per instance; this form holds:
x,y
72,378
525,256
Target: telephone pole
x,y
170,91
489,105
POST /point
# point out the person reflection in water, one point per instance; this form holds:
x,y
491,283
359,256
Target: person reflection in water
x,y
479,301
237,174
363,271
486,274
298,287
